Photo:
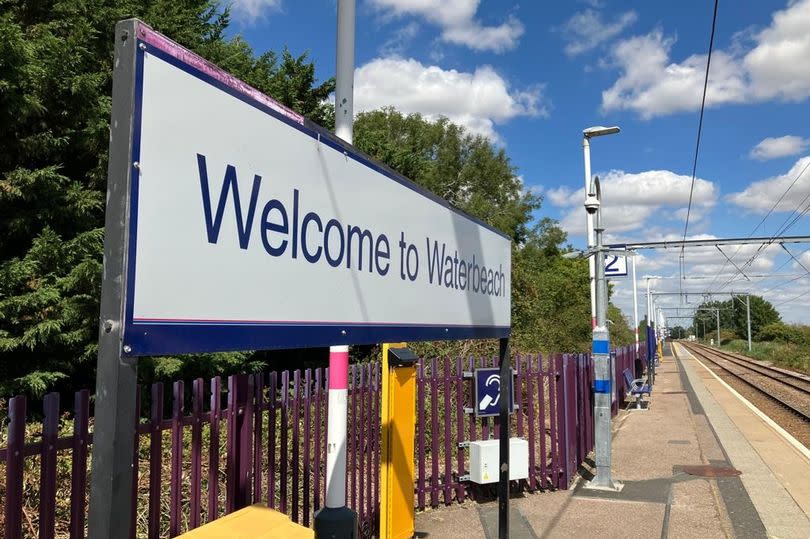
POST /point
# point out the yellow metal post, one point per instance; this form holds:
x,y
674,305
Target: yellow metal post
x,y
396,460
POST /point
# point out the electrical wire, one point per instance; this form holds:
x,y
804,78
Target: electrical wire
x,y
781,229
699,133
792,299
789,222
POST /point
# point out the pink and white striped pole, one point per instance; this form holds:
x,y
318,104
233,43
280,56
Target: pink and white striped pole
x,y
336,426
339,355
335,520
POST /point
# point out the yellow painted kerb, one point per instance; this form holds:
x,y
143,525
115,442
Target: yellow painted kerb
x,y
396,459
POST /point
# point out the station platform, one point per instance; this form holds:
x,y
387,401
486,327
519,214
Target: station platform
x,y
695,420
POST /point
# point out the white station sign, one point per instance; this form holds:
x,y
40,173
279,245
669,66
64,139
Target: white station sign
x,y
252,228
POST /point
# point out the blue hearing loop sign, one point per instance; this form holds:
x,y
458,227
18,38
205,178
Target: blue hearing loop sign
x,y
488,392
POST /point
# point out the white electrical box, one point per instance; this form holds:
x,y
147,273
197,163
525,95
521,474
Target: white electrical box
x,y
485,461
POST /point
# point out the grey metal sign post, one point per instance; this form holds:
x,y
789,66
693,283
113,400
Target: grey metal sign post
x,y
503,419
116,377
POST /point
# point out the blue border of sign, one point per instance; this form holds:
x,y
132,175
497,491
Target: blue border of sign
x,y
151,338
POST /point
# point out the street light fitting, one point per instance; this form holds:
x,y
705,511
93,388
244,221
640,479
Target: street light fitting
x,y
599,131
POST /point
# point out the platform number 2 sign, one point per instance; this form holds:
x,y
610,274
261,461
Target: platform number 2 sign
x,y
615,266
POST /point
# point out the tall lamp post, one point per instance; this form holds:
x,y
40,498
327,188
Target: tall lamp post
x,y
587,135
601,349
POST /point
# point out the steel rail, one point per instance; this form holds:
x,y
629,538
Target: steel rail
x,y
700,351
780,375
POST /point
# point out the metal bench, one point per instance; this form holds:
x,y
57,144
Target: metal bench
x,y
636,388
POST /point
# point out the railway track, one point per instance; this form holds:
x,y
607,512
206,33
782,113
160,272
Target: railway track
x,y
789,390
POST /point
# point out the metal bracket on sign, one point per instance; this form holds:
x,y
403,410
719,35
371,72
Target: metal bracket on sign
x,y
464,444
465,477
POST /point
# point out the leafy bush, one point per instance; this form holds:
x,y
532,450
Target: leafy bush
x,y
787,333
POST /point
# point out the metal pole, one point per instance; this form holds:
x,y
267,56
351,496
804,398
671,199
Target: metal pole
x,y
603,377
650,359
657,333
748,318
116,372
344,70
718,328
336,520
503,420
649,303
336,436
635,302
586,149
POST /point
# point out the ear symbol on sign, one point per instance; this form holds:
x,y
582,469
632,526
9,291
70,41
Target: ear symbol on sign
x,y
488,400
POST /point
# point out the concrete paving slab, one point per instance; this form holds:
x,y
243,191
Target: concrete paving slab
x,y
451,522
519,528
778,511
684,426
694,512
592,517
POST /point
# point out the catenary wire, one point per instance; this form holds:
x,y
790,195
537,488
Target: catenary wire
x,y
699,133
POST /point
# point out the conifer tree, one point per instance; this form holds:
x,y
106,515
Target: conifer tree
x,y
55,98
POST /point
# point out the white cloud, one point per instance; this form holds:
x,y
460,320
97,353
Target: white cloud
x,y
652,86
250,10
630,199
458,23
761,195
776,65
399,40
477,100
775,147
779,65
587,30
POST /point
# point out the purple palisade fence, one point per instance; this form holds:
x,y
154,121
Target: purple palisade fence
x,y
175,483
555,414
155,460
47,491
14,467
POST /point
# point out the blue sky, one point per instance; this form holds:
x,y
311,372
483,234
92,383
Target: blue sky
x,y
531,75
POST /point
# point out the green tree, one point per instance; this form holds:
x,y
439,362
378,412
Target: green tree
x,y
621,334
679,332
733,316
464,169
705,319
763,313
550,305
642,329
55,88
